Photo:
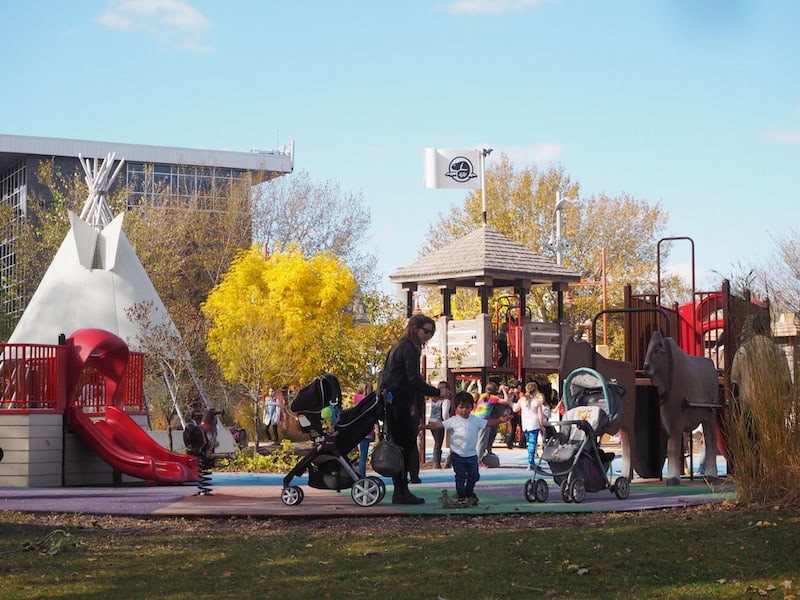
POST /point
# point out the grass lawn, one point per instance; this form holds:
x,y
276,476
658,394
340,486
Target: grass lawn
x,y
704,552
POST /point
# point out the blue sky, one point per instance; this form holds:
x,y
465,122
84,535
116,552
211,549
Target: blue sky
x,y
691,103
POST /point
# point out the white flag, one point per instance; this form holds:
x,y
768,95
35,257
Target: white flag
x,y
456,169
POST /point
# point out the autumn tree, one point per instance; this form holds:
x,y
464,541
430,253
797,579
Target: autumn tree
x,y
186,245
295,211
780,278
520,205
279,320
315,217
167,362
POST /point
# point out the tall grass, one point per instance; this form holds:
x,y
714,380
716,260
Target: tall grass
x,y
763,433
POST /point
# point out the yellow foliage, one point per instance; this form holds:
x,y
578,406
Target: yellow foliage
x,y
269,316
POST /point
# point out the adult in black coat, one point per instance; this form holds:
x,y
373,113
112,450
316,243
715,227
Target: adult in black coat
x,y
401,377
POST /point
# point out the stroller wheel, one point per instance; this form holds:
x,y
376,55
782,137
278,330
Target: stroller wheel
x,y
380,484
292,495
565,495
540,490
577,490
367,492
530,496
621,488
536,490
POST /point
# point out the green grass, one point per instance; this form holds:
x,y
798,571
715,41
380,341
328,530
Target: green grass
x,y
705,552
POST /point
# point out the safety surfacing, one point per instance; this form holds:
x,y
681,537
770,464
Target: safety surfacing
x,y
500,491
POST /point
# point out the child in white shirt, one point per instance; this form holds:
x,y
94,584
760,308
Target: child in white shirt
x,y
464,428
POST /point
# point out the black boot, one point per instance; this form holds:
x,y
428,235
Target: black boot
x,y
401,494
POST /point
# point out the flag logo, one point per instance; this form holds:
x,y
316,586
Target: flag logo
x,y
455,169
461,170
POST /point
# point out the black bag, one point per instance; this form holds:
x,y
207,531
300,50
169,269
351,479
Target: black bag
x,y
387,459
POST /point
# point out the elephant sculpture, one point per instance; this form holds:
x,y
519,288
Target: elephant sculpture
x,y
688,395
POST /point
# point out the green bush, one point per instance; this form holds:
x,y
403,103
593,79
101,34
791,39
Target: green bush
x,y
280,460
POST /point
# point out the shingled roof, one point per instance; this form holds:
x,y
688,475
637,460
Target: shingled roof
x,y
486,257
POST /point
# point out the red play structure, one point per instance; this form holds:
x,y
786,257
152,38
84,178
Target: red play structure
x,y
94,383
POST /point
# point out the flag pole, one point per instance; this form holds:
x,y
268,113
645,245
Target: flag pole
x,y
484,153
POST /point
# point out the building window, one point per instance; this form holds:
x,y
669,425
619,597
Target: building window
x,y
14,196
208,185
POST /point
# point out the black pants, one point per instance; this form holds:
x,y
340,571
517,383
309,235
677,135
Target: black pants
x,y
403,428
513,425
438,439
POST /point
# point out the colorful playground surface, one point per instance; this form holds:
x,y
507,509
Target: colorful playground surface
x,y
500,491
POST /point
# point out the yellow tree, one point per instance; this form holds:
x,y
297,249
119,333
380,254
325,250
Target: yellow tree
x,y
279,320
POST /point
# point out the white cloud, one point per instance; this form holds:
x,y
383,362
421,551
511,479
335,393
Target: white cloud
x,y
165,20
491,6
784,136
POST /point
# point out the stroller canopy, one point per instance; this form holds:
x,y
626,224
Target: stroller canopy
x,y
318,394
586,387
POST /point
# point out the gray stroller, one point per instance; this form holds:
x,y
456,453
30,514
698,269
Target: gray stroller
x,y
572,452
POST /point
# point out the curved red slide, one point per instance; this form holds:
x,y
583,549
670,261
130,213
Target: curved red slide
x,y
120,442
129,435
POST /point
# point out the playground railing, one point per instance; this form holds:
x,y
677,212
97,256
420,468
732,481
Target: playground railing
x,y
133,384
91,397
29,377
32,377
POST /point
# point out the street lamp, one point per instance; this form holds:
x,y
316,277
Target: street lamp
x,y
484,153
560,203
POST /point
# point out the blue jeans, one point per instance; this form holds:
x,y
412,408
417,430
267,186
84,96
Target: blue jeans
x,y
363,452
467,475
533,438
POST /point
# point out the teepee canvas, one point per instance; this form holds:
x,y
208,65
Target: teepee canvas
x,y
94,278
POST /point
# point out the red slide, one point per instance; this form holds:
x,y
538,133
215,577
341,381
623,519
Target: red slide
x,y
128,448
133,438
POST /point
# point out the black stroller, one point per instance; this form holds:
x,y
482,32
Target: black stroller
x,y
573,454
335,432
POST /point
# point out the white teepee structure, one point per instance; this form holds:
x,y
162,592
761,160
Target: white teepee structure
x,y
94,279
95,275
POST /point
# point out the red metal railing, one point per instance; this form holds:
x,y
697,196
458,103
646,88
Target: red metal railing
x,y
133,384
28,377
32,377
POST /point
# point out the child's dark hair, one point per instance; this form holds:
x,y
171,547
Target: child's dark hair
x,y
463,399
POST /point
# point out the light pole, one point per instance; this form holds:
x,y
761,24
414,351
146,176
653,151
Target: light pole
x,y
484,153
560,202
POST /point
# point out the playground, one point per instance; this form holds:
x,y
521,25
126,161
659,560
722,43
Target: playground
x,y
73,413
73,419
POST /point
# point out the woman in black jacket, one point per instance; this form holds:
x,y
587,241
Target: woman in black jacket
x,y
401,377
